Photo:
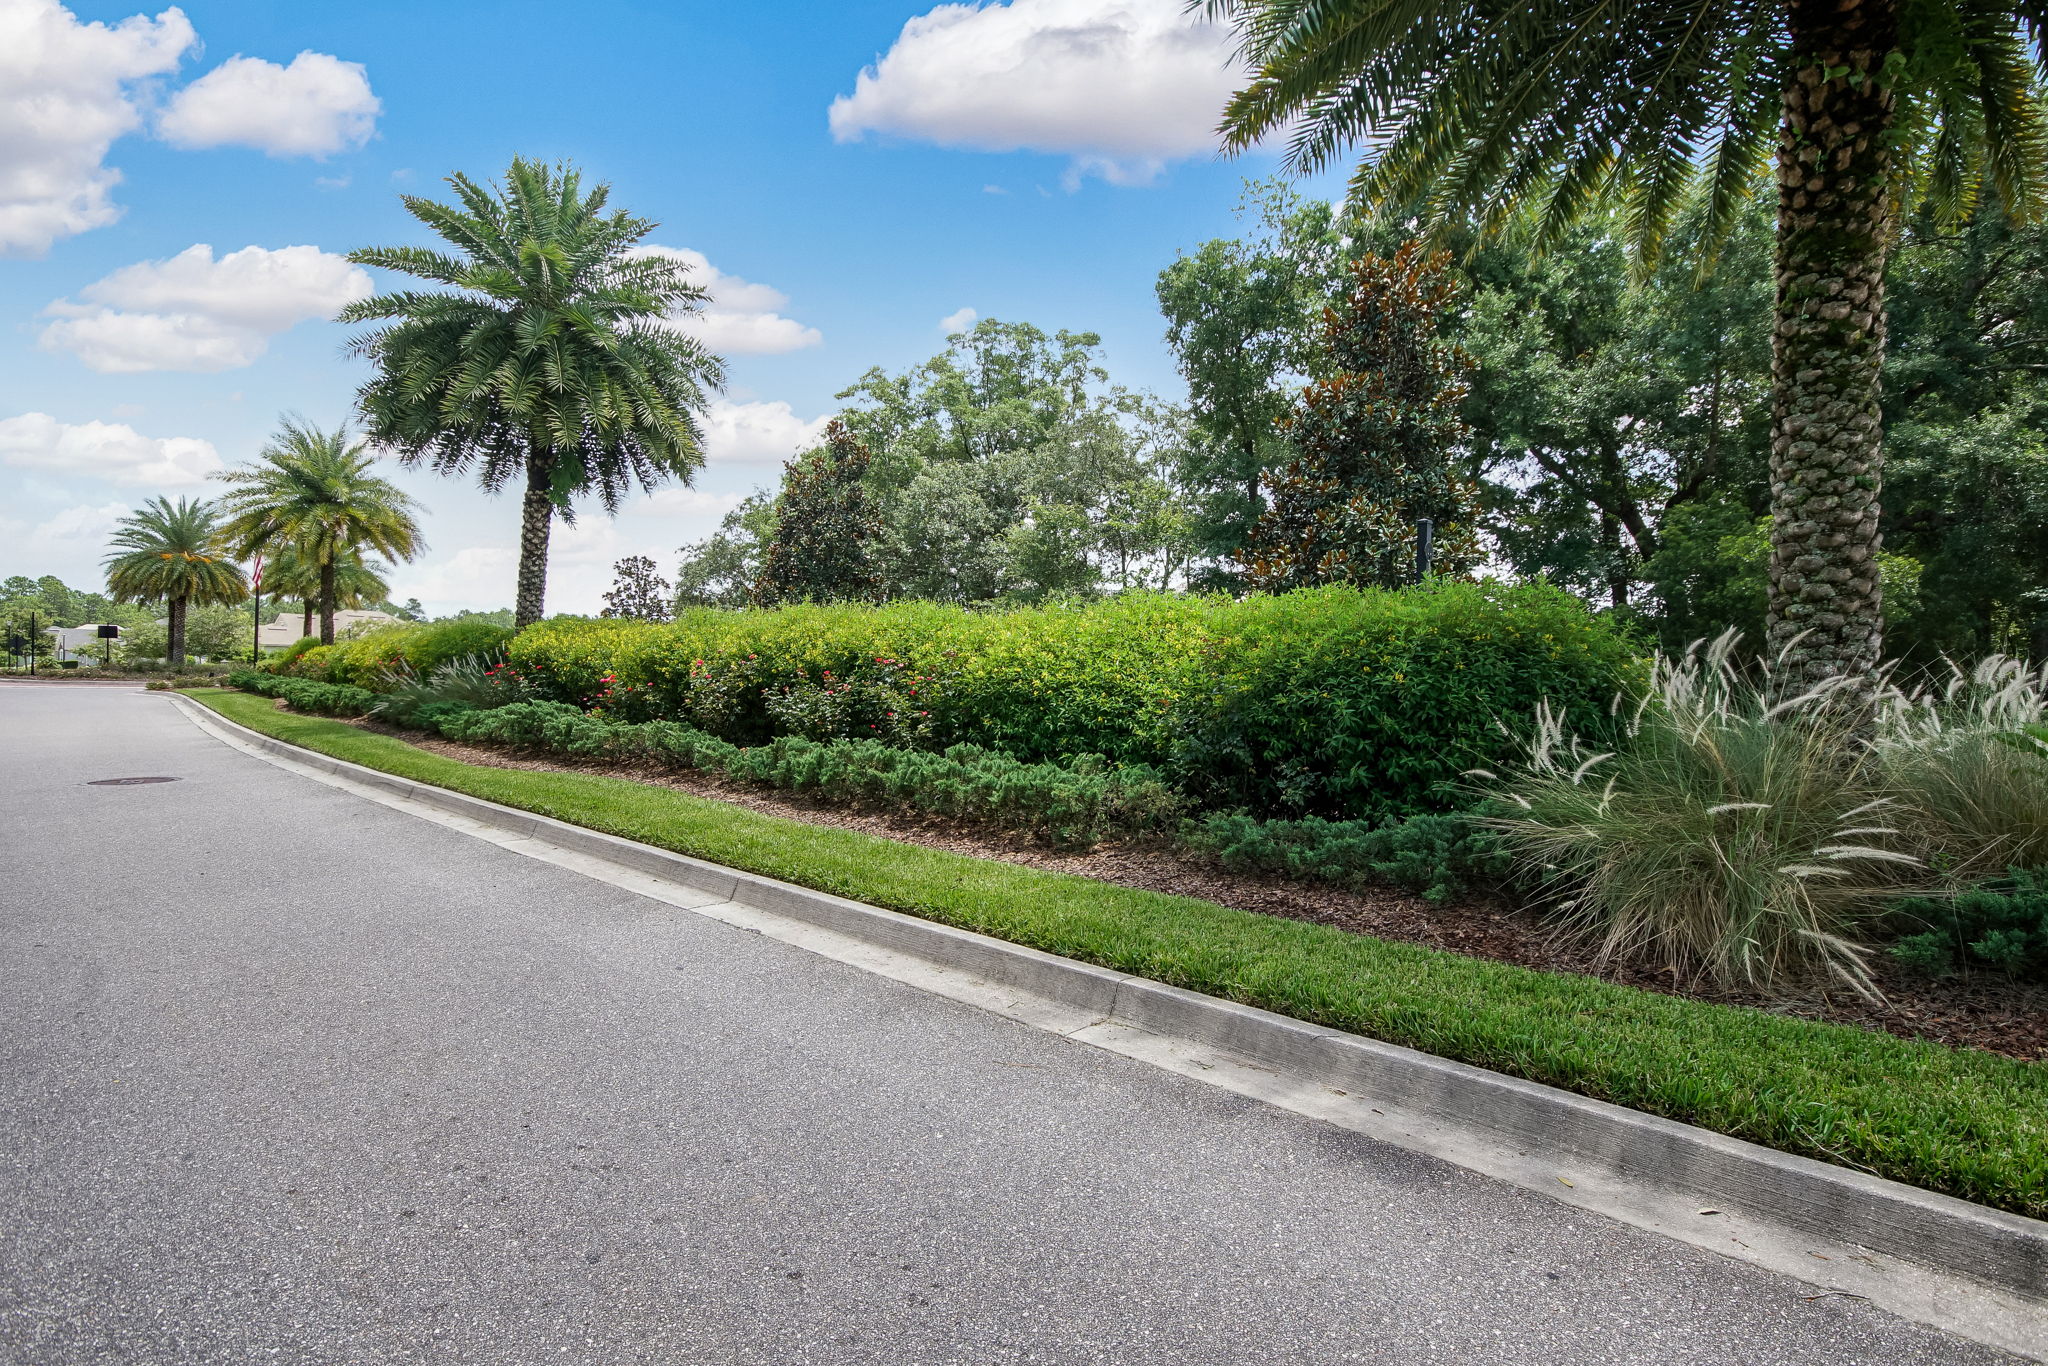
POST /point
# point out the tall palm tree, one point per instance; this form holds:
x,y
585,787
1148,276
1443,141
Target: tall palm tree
x,y
1479,109
357,582
176,554
312,493
553,361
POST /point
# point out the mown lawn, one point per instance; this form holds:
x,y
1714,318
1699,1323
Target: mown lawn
x,y
1965,1122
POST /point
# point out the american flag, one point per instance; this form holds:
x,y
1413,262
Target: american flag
x,y
256,578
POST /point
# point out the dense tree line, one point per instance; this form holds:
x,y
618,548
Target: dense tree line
x,y
1615,430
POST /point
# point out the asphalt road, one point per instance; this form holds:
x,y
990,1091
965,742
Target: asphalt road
x,y
290,1077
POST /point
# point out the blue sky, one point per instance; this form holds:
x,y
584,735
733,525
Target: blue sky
x,y
1039,160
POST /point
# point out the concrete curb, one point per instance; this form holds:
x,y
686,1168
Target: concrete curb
x,y
1638,1167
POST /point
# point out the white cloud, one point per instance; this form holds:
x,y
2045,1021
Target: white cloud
x,y
959,320
1121,86
317,105
743,318
105,450
478,578
736,433
81,523
66,92
677,501
484,577
195,313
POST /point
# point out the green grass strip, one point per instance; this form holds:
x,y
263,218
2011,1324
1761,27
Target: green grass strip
x,y
1961,1121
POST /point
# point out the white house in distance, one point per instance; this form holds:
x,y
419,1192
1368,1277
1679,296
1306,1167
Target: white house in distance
x,y
71,640
286,630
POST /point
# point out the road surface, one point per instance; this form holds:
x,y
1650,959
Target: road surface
x,y
287,1076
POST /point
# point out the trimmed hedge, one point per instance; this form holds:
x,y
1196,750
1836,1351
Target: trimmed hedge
x,y
305,694
1072,804
1441,857
1335,701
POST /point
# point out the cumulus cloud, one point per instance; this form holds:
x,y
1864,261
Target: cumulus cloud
x,y
484,577
81,523
67,90
476,578
959,320
112,451
757,433
743,318
316,106
677,501
1121,86
195,313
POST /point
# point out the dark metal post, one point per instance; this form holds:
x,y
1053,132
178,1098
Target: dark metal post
x,y
33,626
1423,532
256,612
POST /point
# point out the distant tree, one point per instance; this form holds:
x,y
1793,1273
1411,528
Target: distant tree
x,y
1602,399
357,582
722,569
176,554
312,493
826,528
986,457
1240,316
548,360
638,591
1376,443
216,632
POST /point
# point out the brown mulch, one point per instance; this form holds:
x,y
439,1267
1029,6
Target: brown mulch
x,y
1986,1012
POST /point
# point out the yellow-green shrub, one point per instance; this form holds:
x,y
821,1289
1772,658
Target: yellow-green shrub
x,y
373,659
1335,700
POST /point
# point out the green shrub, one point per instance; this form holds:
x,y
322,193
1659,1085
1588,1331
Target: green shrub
x,y
523,725
306,694
1336,701
287,660
381,658
1066,804
2000,925
1441,857
325,699
439,716
312,662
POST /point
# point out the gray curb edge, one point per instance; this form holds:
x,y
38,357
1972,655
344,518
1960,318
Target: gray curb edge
x,y
1952,1237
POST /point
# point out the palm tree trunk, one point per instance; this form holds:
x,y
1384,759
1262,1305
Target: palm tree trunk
x,y
1834,220
306,628
536,518
177,646
327,601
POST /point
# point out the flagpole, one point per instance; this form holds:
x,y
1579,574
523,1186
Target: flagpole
x,y
256,614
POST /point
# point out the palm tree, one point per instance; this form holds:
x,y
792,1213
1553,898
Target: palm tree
x,y
176,554
311,493
357,582
1481,109
553,361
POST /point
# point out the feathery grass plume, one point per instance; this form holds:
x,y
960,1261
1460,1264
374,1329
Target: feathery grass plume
x,y
1972,779
1730,838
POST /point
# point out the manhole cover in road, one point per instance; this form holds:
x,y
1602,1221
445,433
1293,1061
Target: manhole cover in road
x,y
126,782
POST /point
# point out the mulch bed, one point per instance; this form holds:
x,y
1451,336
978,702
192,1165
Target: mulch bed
x,y
1985,1012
